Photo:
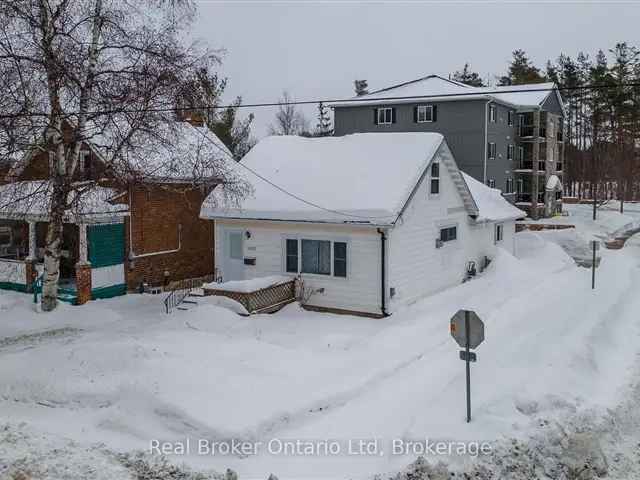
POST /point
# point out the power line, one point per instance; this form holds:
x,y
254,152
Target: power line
x,y
285,191
329,101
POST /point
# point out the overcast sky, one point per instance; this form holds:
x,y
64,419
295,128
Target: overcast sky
x,y
316,49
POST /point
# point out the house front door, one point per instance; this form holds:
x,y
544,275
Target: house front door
x,y
233,267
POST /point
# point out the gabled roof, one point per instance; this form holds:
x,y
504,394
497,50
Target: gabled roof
x,y
364,178
437,88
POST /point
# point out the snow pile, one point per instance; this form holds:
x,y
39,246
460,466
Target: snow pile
x,y
555,351
491,204
246,286
365,177
33,198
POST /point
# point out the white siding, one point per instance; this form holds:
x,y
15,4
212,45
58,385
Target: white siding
x,y
360,291
416,267
107,276
13,272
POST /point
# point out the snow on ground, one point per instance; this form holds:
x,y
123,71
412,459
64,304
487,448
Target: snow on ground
x,y
119,373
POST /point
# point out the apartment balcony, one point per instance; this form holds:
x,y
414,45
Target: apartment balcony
x,y
526,132
527,198
527,166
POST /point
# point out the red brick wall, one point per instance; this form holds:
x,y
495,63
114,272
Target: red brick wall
x,y
156,211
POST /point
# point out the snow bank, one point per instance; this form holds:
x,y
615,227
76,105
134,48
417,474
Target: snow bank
x,y
246,286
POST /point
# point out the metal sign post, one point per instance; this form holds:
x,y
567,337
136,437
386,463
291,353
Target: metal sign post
x,y
468,331
595,245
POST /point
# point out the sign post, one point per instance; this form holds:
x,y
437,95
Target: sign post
x,y
595,245
468,331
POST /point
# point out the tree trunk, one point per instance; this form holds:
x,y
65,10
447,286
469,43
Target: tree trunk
x,y
53,249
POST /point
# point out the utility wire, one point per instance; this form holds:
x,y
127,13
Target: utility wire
x,y
285,191
329,101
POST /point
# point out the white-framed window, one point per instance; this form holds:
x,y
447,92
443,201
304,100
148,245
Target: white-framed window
x,y
510,115
493,114
508,185
52,163
520,185
385,115
425,113
316,256
520,154
491,183
84,164
498,233
6,236
448,234
510,150
491,150
434,184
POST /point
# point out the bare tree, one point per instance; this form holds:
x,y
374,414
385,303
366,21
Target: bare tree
x,y
99,71
289,120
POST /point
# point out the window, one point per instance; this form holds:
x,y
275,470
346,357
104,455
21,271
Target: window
x,y
435,178
520,185
319,257
5,236
510,118
385,116
498,233
492,113
448,234
509,186
292,256
52,163
339,259
84,164
491,150
491,183
521,154
316,257
510,149
425,113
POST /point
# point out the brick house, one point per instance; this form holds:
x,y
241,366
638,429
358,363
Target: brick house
x,y
124,235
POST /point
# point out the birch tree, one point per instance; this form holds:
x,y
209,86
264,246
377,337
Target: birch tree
x,y
100,71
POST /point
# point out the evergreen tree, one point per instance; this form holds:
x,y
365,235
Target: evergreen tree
x,y
233,132
468,77
323,127
522,70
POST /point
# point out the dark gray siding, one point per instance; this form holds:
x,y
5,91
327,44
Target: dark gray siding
x,y
551,104
503,135
461,123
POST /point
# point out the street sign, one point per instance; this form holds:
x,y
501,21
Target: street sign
x,y
468,331
471,356
458,330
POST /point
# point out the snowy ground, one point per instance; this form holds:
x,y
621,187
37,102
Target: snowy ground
x,y
559,360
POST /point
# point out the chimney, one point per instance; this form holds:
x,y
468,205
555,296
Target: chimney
x,y
361,87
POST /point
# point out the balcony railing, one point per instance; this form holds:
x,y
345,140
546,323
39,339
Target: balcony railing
x,y
526,131
526,197
528,165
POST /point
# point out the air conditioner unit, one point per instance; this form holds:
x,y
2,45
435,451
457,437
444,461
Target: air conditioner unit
x,y
439,243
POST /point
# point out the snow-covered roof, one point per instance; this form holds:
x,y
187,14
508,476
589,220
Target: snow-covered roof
x,y
33,199
492,206
436,88
173,151
361,178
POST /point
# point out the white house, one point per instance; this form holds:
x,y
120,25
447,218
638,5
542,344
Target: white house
x,y
370,221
